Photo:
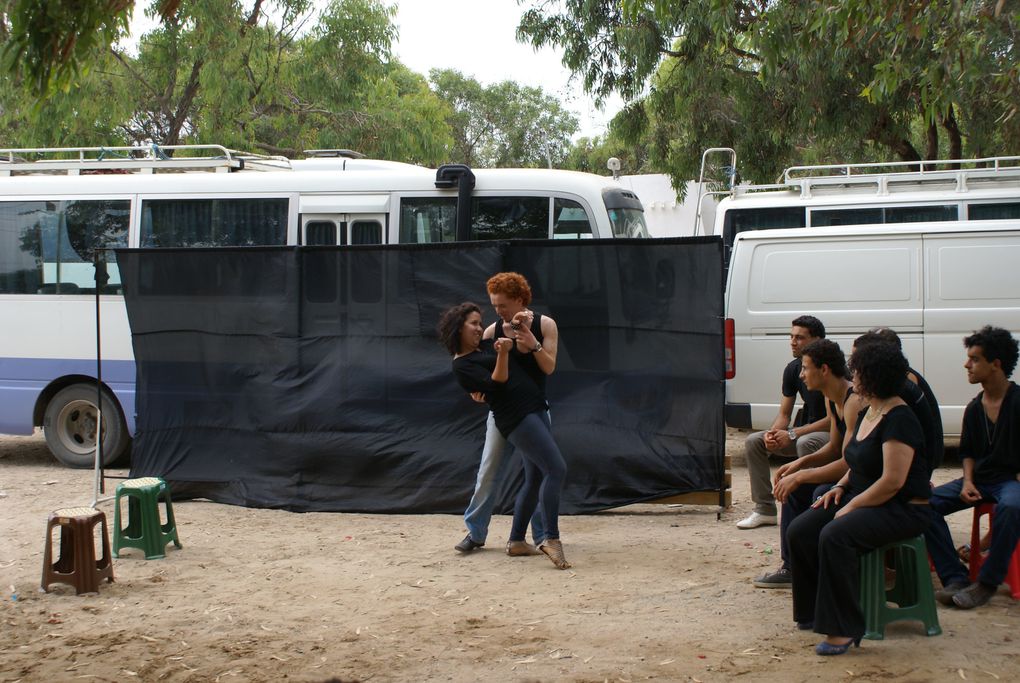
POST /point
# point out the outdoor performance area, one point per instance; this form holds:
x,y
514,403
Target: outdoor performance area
x,y
656,593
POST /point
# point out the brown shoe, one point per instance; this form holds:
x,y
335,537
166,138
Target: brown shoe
x,y
945,595
520,549
553,549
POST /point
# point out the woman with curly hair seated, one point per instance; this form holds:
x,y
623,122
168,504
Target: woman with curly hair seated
x,y
521,414
883,498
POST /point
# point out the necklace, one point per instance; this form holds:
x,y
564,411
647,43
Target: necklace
x,y
873,414
990,434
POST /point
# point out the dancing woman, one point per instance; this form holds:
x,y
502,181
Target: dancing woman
x,y
520,412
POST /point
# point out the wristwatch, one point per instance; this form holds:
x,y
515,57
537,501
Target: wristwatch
x,y
792,434
538,347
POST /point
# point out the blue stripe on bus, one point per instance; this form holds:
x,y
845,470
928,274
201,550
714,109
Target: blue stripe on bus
x,y
23,379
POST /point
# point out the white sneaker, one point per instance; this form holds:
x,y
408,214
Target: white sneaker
x,y
756,519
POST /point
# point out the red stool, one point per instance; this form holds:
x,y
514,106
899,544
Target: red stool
x,y
977,558
77,564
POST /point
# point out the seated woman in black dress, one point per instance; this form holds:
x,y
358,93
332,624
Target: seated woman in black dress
x,y
521,415
881,499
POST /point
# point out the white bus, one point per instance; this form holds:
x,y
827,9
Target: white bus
x,y
58,206
868,194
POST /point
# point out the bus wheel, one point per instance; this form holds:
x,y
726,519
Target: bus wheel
x,y
70,427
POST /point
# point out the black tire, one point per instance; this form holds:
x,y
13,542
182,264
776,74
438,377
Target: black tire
x,y
70,427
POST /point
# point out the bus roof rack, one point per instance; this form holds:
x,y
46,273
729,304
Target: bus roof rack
x,y
151,159
884,175
333,154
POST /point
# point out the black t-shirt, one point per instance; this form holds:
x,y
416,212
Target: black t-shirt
x,y
931,425
510,401
926,407
523,356
865,457
995,448
814,401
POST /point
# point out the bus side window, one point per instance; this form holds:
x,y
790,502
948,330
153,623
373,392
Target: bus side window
x,y
741,220
509,218
570,221
428,219
993,211
214,222
920,214
366,232
847,217
48,247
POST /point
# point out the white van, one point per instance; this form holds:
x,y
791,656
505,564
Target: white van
x,y
934,283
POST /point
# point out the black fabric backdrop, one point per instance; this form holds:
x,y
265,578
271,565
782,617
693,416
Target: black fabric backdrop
x,y
311,378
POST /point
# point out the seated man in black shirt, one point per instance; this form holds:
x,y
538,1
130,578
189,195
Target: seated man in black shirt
x,y
990,454
786,438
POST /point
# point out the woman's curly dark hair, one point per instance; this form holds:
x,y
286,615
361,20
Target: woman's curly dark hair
x,y
450,324
880,368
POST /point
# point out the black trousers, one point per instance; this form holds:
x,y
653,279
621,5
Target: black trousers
x,y
824,559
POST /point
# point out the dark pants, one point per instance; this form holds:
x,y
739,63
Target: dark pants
x,y
945,500
544,474
796,503
824,558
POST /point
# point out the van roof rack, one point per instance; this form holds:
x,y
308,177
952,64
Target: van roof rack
x,y
151,159
885,175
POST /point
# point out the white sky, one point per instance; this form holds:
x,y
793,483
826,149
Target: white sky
x,y
477,38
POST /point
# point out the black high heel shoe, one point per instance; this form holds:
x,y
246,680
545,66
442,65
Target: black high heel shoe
x,y
828,649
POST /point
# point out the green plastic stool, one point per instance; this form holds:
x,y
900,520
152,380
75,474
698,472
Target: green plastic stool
x,y
912,593
144,530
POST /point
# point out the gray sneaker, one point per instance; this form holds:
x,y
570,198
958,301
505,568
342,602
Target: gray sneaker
x,y
782,578
974,595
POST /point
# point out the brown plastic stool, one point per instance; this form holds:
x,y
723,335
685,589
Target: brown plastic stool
x,y
77,564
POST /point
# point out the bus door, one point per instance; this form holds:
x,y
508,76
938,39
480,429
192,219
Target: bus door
x,y
343,292
344,219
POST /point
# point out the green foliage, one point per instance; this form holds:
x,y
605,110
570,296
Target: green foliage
x,y
217,72
47,44
796,81
505,124
592,154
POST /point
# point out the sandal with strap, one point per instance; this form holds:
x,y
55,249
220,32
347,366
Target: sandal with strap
x,y
553,549
520,549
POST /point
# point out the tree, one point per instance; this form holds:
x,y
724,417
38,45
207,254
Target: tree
x,y
504,124
220,73
791,81
591,155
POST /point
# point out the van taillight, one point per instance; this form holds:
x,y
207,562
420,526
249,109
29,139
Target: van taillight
x,y
729,349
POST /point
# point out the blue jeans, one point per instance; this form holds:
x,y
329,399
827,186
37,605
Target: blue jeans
x,y
945,500
491,470
545,471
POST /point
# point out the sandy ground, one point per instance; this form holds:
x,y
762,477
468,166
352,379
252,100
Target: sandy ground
x,y
660,593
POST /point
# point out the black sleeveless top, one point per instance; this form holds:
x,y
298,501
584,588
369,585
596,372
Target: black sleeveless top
x,y
841,421
525,359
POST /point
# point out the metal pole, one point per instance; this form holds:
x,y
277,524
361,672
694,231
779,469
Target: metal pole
x,y
102,277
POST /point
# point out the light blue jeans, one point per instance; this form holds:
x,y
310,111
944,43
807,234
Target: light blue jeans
x,y
491,471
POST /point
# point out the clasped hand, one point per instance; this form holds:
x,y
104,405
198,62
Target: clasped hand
x,y
503,345
969,493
